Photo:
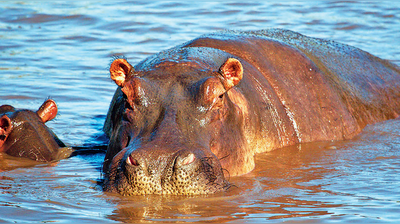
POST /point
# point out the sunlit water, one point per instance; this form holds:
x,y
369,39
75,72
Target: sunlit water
x,y
63,50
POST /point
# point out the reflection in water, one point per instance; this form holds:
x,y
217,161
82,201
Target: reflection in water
x,y
62,50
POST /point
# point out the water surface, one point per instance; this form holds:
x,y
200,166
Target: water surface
x,y
62,50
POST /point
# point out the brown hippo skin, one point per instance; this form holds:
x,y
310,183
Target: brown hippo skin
x,y
183,120
23,133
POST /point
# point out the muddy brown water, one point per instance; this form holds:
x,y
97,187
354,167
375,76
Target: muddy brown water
x,y
62,50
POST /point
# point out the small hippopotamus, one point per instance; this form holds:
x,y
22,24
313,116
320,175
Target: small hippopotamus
x,y
23,133
184,119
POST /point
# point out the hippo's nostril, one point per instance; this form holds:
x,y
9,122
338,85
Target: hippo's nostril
x,y
186,160
132,161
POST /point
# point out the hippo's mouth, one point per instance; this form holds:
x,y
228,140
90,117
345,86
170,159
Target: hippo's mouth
x,y
185,174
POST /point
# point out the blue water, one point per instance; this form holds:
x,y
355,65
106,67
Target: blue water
x,y
62,50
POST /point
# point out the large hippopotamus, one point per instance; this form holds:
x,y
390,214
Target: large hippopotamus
x,y
23,133
184,119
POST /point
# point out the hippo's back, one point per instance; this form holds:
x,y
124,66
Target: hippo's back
x,y
325,89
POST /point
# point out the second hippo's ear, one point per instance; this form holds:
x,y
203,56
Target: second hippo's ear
x,y
120,71
5,129
232,73
47,111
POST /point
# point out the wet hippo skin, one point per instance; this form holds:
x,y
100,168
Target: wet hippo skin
x,y
185,119
23,133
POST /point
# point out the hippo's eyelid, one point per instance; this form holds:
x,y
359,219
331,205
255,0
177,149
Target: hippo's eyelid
x,y
217,102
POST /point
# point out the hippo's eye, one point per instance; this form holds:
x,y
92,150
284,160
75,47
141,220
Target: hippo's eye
x,y
211,93
218,102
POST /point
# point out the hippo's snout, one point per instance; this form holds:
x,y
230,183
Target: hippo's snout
x,y
185,172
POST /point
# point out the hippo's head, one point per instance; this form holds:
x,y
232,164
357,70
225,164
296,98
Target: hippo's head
x,y
174,128
23,133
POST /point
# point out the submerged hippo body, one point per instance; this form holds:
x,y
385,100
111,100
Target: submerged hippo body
x,y
23,133
185,118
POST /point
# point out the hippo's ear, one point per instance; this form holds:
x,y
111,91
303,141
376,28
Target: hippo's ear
x,y
5,129
232,72
47,111
120,71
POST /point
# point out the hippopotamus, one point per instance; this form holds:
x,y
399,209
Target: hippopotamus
x,y
23,133
184,120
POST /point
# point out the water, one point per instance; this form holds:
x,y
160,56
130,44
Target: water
x,y
62,50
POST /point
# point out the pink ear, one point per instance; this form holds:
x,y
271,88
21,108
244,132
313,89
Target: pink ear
x,y
5,129
47,111
120,70
232,72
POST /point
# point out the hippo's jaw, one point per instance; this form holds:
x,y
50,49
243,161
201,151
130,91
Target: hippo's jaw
x,y
183,173
165,163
